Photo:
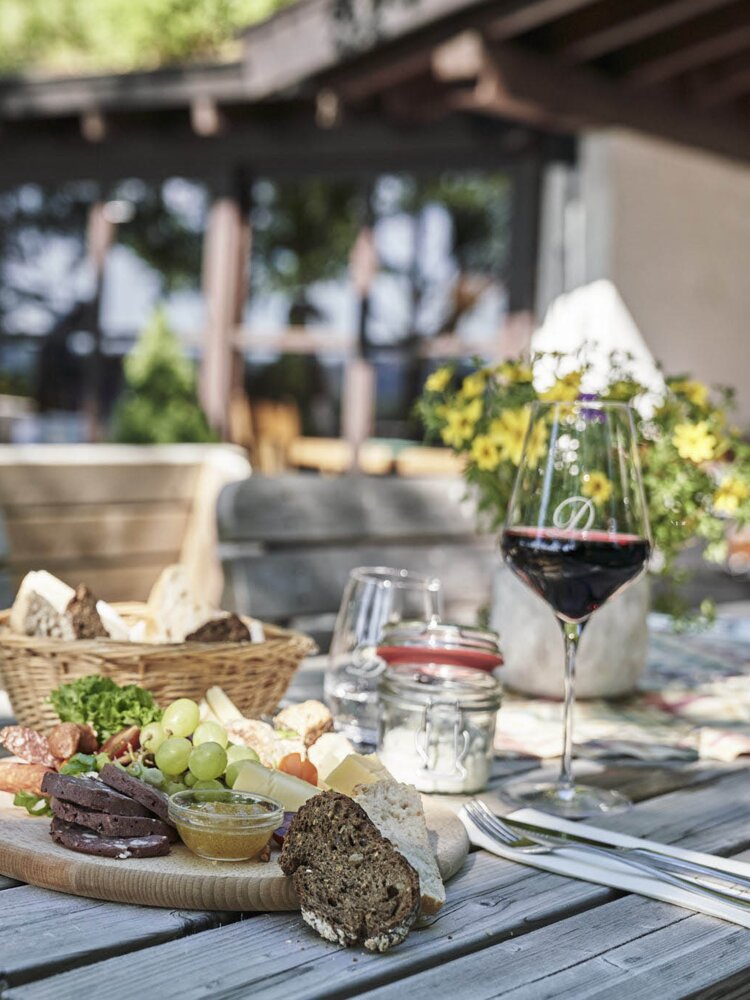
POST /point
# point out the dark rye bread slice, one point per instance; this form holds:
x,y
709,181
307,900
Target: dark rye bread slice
x,y
352,883
91,794
108,825
84,617
78,838
154,800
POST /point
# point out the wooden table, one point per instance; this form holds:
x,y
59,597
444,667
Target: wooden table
x,y
506,930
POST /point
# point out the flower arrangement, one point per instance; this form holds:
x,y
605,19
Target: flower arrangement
x,y
695,465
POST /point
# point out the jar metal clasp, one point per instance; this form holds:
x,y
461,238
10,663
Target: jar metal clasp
x,y
435,715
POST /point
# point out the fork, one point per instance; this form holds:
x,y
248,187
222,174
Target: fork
x,y
547,843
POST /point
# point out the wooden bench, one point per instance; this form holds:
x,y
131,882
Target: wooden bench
x,y
288,543
113,516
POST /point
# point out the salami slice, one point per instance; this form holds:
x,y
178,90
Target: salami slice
x,y
154,800
15,777
78,838
27,744
92,794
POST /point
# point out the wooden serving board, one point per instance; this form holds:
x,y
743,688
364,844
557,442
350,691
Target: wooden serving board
x,y
180,880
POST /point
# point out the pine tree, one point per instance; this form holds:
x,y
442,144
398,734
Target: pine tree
x,y
160,404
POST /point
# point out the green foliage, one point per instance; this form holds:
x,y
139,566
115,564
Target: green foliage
x,y
107,707
303,232
160,405
70,36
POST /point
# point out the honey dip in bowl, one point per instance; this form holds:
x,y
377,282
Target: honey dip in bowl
x,y
222,825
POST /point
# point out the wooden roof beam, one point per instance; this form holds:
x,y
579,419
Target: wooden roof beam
x,y
700,41
613,25
721,84
508,20
518,84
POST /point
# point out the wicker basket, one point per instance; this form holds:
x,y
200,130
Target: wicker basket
x,y
254,675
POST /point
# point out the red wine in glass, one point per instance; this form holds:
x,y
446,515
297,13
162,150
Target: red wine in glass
x,y
576,533
575,572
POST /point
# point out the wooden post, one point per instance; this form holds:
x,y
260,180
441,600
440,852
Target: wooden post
x,y
100,232
226,252
358,394
524,235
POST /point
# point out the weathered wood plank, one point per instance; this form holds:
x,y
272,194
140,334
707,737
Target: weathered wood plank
x,y
298,508
46,932
23,484
635,947
110,531
279,956
491,902
8,883
278,584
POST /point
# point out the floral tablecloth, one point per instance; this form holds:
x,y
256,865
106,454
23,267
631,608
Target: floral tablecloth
x,y
693,702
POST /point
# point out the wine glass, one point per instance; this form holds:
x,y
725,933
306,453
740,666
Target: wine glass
x,y
375,596
576,533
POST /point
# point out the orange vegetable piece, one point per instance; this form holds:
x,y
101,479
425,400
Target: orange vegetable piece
x,y
293,764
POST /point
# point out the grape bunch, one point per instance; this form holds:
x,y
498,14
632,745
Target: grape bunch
x,y
188,753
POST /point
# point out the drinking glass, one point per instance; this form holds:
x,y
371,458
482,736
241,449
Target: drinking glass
x,y
576,533
375,596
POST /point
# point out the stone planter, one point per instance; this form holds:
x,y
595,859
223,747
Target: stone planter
x,y
612,654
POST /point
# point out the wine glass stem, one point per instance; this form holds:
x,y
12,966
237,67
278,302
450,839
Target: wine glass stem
x,y
572,635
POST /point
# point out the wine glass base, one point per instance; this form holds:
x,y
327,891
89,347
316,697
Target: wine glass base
x,y
570,802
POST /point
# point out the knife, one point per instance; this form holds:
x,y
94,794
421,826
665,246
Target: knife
x,y
654,855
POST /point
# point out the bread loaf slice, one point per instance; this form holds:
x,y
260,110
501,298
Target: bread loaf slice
x,y
45,606
353,885
174,609
310,719
396,810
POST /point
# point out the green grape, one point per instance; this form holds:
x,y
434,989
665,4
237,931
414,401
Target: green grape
x,y
231,774
189,778
209,760
181,717
153,776
210,732
173,787
173,755
236,753
210,783
152,736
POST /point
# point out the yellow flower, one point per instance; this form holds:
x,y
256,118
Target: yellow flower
x,y
537,442
694,441
597,486
460,424
439,380
565,389
515,371
729,496
473,385
473,410
695,392
485,452
508,432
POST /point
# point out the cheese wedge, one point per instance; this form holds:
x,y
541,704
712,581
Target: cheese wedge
x,y
291,792
357,769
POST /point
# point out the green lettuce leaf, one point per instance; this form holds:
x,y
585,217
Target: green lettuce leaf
x,y
104,705
35,805
79,763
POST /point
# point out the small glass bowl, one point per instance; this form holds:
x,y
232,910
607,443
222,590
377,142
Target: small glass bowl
x,y
222,825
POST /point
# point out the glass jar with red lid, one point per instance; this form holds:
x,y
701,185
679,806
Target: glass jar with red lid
x,y
434,641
